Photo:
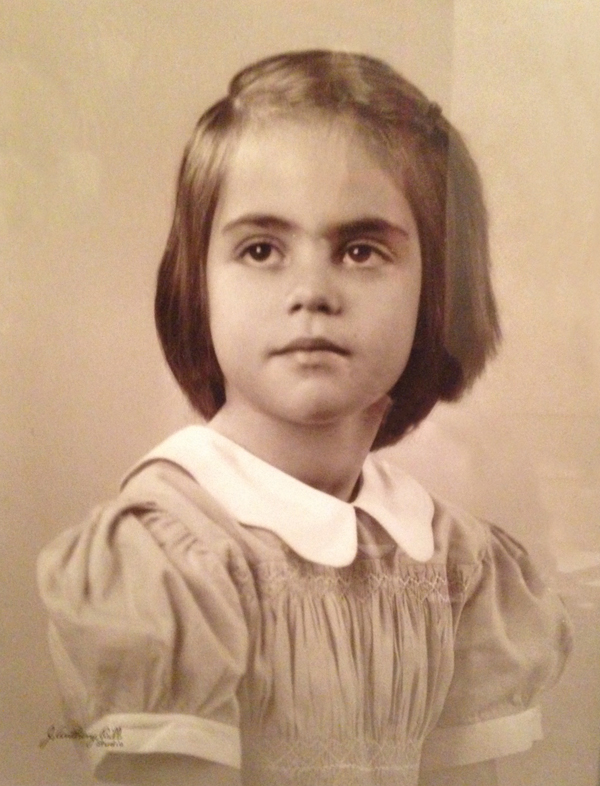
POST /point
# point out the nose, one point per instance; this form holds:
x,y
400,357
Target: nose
x,y
315,288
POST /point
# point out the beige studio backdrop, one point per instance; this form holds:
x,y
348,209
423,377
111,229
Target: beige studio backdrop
x,y
97,98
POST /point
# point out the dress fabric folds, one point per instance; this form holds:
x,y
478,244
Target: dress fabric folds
x,y
202,636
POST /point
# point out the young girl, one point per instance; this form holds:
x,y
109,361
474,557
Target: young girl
x,y
267,602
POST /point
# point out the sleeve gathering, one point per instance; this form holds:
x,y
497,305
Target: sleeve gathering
x,y
136,645
512,638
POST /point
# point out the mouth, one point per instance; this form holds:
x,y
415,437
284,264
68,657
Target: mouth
x,y
311,345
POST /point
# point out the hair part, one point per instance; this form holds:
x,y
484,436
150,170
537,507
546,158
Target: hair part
x,y
457,327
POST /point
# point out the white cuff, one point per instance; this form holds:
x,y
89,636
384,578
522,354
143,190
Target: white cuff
x,y
164,733
458,745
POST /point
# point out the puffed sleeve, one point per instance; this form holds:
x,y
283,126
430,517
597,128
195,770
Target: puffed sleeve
x,y
512,638
147,634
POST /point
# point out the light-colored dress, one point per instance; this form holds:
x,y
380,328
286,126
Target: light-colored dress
x,y
222,609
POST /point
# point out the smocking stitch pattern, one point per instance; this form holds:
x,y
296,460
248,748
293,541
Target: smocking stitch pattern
x,y
329,762
361,580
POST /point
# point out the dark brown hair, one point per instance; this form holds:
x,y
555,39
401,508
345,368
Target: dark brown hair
x,y
457,327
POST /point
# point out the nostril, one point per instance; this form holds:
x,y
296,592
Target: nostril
x,y
317,299
316,304
323,307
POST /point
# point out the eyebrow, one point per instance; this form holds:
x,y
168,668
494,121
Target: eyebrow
x,y
260,220
343,231
370,226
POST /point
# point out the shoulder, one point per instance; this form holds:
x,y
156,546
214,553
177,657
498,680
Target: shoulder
x,y
460,537
140,566
161,524
482,558
463,539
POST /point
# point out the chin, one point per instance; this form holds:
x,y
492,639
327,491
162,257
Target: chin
x,y
318,412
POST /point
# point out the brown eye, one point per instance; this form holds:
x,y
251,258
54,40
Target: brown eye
x,y
259,252
365,255
359,253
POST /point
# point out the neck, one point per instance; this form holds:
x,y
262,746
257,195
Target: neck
x,y
328,457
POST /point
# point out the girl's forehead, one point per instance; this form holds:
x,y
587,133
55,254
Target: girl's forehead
x,y
305,130
313,167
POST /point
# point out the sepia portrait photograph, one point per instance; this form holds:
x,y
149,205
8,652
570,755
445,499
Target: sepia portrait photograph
x,y
300,410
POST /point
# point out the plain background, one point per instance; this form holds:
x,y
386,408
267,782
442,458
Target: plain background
x,y
97,98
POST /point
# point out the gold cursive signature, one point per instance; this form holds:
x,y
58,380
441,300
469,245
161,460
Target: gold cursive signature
x,y
108,737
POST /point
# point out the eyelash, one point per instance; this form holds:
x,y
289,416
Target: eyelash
x,y
269,246
372,248
247,248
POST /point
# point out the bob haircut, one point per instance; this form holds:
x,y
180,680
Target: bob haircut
x,y
457,326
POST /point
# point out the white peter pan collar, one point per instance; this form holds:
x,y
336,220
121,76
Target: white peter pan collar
x,y
317,526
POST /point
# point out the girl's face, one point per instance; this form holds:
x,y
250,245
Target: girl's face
x,y
314,274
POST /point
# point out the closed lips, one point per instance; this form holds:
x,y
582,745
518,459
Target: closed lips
x,y
311,345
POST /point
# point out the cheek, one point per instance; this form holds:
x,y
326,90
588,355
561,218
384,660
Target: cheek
x,y
394,315
235,325
225,333
221,322
399,330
